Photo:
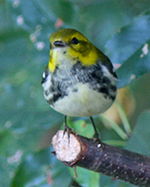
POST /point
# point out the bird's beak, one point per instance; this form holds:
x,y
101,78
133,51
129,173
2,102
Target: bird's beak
x,y
59,44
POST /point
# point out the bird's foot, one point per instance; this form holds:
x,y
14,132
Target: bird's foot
x,y
96,138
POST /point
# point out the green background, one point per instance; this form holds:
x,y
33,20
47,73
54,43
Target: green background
x,y
120,28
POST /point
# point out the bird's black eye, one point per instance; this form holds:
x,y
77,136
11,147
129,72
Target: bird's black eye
x,y
74,40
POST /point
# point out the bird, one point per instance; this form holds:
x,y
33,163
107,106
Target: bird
x,y
79,80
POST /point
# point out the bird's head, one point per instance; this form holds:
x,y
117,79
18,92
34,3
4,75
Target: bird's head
x,y
69,45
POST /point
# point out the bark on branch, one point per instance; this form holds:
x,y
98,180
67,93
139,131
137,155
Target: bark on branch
x,y
100,157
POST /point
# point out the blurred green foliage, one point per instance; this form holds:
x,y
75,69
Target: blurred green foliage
x,y
121,29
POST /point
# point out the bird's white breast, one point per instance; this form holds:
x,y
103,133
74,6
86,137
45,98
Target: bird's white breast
x,y
83,102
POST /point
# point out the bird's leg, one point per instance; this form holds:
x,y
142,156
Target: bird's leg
x,y
66,128
96,135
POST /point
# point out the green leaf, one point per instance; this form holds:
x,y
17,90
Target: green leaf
x,y
86,178
41,170
129,39
139,141
82,127
137,65
130,47
10,155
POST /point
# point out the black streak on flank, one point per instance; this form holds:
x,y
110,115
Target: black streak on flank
x,y
104,90
94,75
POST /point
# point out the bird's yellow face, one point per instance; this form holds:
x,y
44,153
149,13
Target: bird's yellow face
x,y
70,46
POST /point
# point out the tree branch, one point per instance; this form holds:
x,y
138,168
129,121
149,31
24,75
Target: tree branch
x,y
100,157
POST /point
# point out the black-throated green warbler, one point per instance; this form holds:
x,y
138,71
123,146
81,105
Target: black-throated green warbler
x,y
79,79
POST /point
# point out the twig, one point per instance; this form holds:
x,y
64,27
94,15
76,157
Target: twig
x,y
100,157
